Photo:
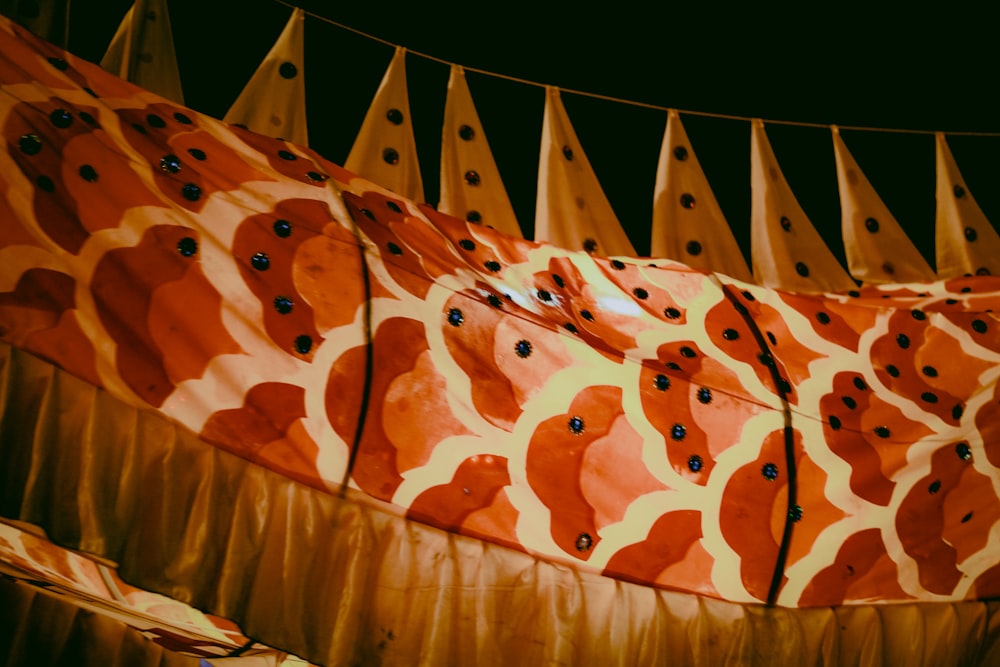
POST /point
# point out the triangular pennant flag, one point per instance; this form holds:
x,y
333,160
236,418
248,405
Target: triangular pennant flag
x,y
966,242
274,101
878,250
385,150
571,209
788,253
142,50
470,181
49,20
688,225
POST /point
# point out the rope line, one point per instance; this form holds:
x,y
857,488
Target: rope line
x,y
634,103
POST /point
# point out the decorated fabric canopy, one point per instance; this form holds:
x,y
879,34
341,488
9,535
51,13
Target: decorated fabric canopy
x,y
368,431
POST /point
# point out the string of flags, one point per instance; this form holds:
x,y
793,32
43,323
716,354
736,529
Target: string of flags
x,y
572,210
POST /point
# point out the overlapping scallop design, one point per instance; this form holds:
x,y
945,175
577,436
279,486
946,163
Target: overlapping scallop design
x,y
657,423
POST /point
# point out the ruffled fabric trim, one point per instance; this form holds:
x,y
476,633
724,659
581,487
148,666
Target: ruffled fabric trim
x,y
346,581
43,581
40,628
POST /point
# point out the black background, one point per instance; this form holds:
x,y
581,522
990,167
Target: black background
x,y
846,65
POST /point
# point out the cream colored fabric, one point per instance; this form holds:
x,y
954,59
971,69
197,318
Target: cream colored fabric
x,y
571,209
94,588
142,50
878,250
43,626
471,187
967,244
274,100
345,581
38,629
688,224
787,251
385,150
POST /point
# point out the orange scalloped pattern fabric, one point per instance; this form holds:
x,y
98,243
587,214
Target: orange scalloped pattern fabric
x,y
631,417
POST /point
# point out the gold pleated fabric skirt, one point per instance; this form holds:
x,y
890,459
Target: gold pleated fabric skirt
x,y
347,581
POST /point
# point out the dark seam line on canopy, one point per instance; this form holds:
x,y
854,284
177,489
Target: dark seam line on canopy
x,y
369,362
786,537
240,650
369,351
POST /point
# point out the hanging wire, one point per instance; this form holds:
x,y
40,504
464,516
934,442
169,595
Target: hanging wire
x,y
619,100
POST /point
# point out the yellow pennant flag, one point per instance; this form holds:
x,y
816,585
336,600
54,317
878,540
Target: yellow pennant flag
x,y
878,250
385,150
966,242
688,225
274,101
142,50
788,253
571,209
470,181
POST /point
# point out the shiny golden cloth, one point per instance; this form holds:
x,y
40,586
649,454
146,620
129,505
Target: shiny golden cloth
x,y
349,581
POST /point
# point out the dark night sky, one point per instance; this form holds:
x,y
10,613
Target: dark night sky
x,y
847,66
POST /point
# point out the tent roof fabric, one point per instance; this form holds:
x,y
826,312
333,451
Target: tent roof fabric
x,y
260,382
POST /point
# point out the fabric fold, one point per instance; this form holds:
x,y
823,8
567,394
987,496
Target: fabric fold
x,y
39,628
113,623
